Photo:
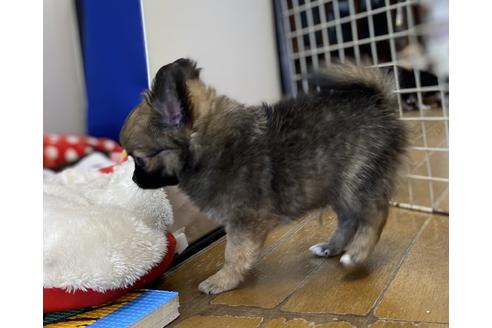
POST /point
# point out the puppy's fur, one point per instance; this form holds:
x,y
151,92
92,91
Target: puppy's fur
x,y
254,167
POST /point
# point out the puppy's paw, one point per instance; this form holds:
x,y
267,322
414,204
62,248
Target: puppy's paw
x,y
351,261
217,284
320,250
210,287
347,261
324,250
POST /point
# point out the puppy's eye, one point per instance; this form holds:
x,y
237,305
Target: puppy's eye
x,y
162,151
155,153
139,161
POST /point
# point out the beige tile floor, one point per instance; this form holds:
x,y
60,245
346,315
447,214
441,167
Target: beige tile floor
x,y
404,284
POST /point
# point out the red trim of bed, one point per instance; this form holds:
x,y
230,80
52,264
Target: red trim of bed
x,y
57,299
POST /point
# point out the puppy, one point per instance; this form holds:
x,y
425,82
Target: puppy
x,y
254,167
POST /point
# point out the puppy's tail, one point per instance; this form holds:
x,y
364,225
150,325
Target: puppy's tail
x,y
356,79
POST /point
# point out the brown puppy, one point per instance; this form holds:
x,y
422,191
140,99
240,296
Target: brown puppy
x,y
254,167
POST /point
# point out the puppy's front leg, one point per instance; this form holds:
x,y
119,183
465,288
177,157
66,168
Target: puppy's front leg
x,y
244,243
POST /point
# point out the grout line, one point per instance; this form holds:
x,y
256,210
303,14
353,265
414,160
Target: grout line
x,y
390,320
275,313
397,270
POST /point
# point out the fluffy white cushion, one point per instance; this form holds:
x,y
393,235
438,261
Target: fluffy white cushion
x,y
100,230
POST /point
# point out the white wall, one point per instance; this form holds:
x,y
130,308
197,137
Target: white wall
x,y
232,40
64,104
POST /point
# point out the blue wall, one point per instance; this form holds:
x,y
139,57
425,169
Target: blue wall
x,y
114,61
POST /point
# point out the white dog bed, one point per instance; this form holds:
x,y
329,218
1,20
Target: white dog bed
x,y
101,231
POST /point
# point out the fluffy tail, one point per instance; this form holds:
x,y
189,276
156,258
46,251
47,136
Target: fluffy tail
x,y
355,78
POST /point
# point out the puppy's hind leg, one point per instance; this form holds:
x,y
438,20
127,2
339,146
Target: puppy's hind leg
x,y
244,242
368,232
347,223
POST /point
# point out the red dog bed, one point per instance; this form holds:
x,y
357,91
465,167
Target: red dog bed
x,y
58,299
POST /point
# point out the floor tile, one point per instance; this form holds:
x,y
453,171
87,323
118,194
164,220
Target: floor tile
x,y
226,321
278,274
333,289
301,323
396,324
419,291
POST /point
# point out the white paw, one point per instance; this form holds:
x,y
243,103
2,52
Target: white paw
x,y
319,250
219,283
209,288
347,261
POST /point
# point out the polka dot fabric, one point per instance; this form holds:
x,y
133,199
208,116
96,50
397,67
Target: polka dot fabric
x,y
60,150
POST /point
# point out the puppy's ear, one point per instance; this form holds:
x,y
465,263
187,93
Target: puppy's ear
x,y
169,95
168,101
189,68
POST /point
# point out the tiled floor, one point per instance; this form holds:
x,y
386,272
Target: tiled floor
x,y
405,283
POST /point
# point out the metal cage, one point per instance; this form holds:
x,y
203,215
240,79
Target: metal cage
x,y
394,35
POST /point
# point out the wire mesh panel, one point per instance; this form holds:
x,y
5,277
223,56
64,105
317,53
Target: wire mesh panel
x,y
392,35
